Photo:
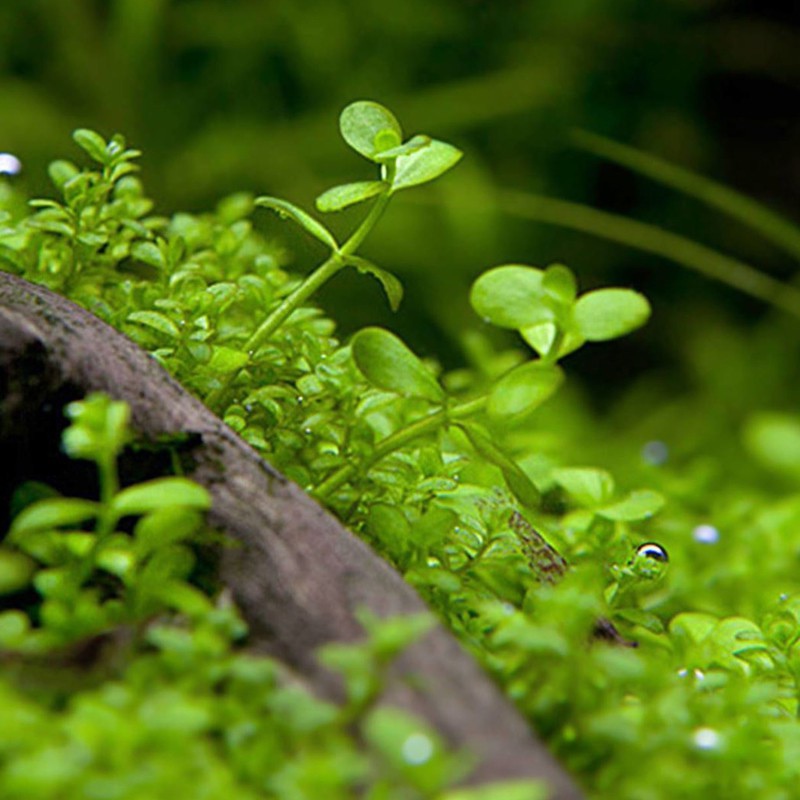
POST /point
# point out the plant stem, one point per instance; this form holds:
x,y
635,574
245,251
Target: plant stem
x,y
400,438
321,275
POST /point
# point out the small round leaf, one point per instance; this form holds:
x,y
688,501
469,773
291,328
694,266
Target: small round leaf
x,y
425,164
511,296
369,128
608,313
387,363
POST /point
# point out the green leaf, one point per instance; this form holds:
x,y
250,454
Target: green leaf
x,y
348,194
540,337
14,625
16,570
411,146
148,253
157,321
391,285
518,482
164,526
93,143
226,359
608,313
425,164
523,389
501,790
589,486
287,210
387,363
559,283
160,493
54,512
511,296
693,625
641,504
369,128
774,439
61,171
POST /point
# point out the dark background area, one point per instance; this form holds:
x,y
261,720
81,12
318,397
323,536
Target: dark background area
x,y
230,96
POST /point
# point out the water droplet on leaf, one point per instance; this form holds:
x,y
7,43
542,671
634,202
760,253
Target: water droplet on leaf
x,y
706,739
654,551
655,453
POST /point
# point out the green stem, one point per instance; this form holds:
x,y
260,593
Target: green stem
x,y
321,275
398,439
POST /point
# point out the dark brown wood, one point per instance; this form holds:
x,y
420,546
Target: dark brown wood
x,y
296,573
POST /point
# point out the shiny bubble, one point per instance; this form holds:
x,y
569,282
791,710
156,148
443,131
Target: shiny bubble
x,y
9,164
417,749
655,453
706,739
652,550
706,534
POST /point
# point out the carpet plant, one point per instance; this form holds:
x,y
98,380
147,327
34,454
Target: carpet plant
x,y
469,481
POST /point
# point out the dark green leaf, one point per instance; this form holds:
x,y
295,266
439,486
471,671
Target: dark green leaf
x,y
289,211
391,285
523,389
387,363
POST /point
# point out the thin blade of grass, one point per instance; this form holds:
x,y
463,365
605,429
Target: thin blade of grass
x,y
772,226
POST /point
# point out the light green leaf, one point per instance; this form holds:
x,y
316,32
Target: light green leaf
x,y
501,790
391,285
53,512
349,194
369,128
149,253
226,359
511,296
693,625
407,148
290,211
425,164
93,143
540,337
60,172
157,321
559,283
523,389
589,486
774,439
387,363
518,482
608,313
164,526
641,504
160,493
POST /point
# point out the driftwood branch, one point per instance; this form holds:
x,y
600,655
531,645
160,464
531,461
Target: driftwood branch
x,y
297,574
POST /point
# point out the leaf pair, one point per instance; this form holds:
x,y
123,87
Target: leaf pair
x,y
374,132
545,308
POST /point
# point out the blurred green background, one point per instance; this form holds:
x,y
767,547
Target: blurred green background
x,y
228,96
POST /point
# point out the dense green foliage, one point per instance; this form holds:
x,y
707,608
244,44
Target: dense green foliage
x,y
451,474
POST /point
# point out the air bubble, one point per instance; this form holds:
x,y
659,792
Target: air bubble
x,y
417,749
655,453
9,164
653,551
706,739
705,534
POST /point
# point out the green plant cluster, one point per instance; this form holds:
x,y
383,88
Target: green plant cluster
x,y
124,678
455,476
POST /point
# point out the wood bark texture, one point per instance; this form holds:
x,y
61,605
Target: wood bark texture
x,y
296,573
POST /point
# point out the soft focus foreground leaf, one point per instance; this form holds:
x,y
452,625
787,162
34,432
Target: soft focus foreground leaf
x,y
608,313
